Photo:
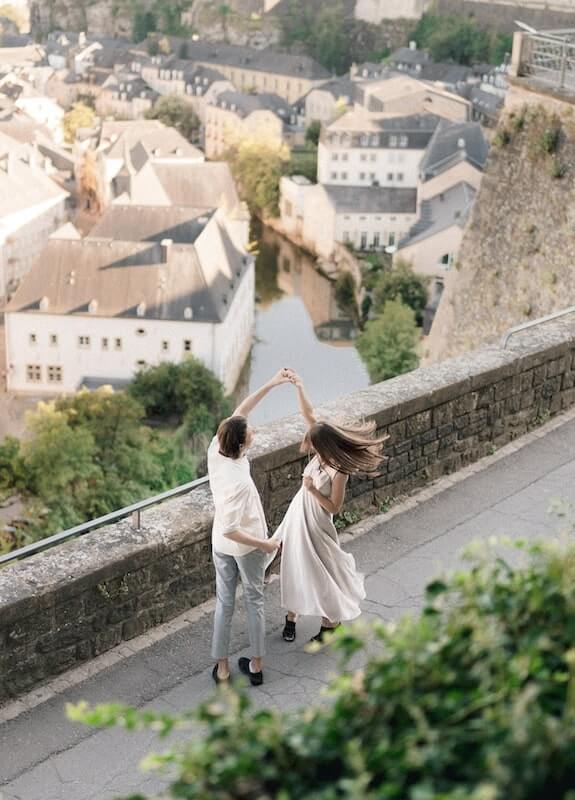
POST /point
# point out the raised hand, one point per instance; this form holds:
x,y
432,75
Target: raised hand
x,y
283,376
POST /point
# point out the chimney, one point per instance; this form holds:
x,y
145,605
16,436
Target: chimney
x,y
413,45
166,245
82,39
461,144
44,303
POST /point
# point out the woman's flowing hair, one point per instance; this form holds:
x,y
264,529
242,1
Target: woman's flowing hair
x,y
348,449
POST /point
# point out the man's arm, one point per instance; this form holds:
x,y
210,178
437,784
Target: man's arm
x,y
248,405
266,545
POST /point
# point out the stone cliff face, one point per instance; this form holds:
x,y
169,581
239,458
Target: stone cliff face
x,y
517,259
102,17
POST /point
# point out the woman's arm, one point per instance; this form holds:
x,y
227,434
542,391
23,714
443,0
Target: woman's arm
x,y
248,405
305,404
334,502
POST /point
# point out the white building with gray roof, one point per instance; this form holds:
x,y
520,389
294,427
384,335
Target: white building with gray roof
x,y
148,285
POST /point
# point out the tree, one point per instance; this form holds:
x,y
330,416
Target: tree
x,y
144,23
460,39
345,298
313,132
177,392
388,345
401,282
472,700
258,168
177,113
79,116
224,11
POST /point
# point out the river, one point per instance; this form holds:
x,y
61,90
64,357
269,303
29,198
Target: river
x,y
299,324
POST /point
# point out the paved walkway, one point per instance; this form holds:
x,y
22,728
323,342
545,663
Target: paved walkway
x,y
44,757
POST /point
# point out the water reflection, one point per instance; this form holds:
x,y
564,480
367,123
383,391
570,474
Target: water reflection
x,y
299,324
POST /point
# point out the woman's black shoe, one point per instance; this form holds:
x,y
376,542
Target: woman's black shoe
x,y
288,633
319,637
217,678
256,678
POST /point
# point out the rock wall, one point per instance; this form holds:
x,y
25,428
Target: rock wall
x,y
77,600
518,251
501,14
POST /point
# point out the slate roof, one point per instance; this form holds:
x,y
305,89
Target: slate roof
x,y
441,212
122,275
371,199
197,185
153,135
453,142
246,104
135,223
405,55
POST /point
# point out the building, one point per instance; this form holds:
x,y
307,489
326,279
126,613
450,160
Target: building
x,y
126,97
367,218
233,117
32,206
366,149
327,101
376,11
149,285
409,59
456,153
404,94
248,69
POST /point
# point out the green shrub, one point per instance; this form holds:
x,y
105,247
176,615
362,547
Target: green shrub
x,y
549,141
501,138
474,700
557,169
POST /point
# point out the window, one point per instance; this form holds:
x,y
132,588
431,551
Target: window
x,y
363,157
390,176
344,156
33,373
372,176
374,139
140,331
165,345
54,374
373,156
403,141
33,339
391,240
140,364
53,340
393,141
117,344
400,176
84,342
335,156
346,236
447,260
364,140
105,343
376,238
363,241
333,176
187,345
362,176
344,176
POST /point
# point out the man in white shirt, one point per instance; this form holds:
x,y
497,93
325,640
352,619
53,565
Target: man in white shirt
x,y
240,544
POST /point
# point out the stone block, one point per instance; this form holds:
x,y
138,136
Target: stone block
x,y
527,399
465,404
558,366
539,374
418,423
68,612
568,398
526,381
122,611
107,639
568,380
442,414
485,397
445,430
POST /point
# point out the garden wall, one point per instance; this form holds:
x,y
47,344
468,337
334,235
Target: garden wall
x,y
75,601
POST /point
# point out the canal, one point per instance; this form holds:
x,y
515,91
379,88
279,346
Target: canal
x,y
299,324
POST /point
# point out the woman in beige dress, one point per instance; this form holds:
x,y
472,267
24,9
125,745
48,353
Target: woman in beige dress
x,y
317,577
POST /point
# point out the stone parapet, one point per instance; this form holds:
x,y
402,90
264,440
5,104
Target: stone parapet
x,y
75,601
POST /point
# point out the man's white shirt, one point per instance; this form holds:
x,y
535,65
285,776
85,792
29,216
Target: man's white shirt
x,y
237,501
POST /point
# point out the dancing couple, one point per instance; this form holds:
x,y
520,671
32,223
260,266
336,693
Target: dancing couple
x,y
317,577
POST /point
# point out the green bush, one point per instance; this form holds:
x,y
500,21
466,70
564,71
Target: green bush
x,y
388,345
474,700
403,283
549,141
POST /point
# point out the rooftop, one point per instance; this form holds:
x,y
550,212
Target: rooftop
x,y
135,223
371,199
246,104
441,212
453,142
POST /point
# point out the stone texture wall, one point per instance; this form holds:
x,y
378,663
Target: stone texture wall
x,y
73,602
501,14
516,259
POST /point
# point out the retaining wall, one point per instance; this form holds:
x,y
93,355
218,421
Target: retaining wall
x,y
75,601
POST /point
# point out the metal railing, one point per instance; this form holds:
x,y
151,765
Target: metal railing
x,y
134,511
550,57
533,323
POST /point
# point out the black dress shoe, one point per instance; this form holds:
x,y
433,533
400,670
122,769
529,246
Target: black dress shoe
x,y
256,678
288,633
217,678
319,637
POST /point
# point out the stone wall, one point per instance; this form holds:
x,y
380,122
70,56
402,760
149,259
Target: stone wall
x,y
501,14
75,601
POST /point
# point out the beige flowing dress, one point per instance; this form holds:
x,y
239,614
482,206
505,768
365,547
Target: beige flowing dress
x,y
317,577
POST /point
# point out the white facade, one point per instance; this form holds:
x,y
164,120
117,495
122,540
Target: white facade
x,y
44,111
367,166
52,353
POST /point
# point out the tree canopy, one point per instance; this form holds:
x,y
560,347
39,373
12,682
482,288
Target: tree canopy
x,y
403,283
177,113
388,345
460,39
79,116
258,167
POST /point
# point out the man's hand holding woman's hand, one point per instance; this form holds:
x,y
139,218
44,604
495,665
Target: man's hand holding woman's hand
x,y
270,545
